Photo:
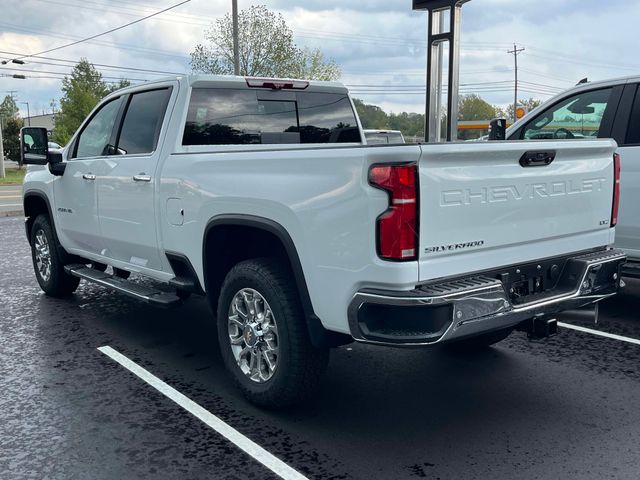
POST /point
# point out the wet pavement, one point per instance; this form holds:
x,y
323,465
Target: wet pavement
x,y
562,408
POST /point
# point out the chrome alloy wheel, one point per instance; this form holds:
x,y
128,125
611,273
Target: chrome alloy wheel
x,y
253,334
43,255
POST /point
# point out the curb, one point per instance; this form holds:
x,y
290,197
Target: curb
x,y
12,213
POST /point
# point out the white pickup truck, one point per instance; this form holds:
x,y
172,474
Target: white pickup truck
x,y
263,195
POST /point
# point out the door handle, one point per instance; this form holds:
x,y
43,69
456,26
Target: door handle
x,y
142,178
537,158
88,176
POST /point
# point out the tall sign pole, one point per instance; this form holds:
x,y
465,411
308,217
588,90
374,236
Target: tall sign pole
x,y
236,47
442,33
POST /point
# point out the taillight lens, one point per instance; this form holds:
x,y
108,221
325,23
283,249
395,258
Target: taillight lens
x,y
397,228
616,189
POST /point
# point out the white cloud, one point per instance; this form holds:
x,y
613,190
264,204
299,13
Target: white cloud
x,y
376,42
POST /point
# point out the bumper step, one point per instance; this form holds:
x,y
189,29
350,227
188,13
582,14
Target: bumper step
x,y
141,292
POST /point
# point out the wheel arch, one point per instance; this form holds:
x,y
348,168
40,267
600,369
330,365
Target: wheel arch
x,y
34,204
267,237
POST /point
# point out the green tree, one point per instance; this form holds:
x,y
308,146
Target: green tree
x,y
11,138
8,109
82,90
266,49
410,124
371,116
473,107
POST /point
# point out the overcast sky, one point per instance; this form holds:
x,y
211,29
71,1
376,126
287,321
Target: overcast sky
x,y
379,44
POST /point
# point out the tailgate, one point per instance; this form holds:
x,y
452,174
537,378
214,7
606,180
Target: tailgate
x,y
481,209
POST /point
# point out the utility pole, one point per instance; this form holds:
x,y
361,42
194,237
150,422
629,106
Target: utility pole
x,y
236,47
28,113
515,53
2,173
12,94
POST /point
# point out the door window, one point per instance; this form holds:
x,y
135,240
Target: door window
x,y
142,121
95,136
633,130
578,116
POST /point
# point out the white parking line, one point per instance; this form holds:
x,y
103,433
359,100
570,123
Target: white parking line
x,y
274,464
613,336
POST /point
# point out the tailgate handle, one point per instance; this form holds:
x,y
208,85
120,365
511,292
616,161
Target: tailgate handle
x,y
537,158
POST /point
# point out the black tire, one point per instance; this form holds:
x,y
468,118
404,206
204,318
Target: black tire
x,y
299,364
58,283
481,341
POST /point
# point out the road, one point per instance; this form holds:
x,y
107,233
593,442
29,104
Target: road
x,y
10,198
562,408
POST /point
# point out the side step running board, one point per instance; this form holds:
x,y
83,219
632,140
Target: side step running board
x,y
140,292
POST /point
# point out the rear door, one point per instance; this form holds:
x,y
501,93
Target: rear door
x,y
480,208
127,183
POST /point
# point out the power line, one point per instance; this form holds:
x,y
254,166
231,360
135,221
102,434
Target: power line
x,y
106,32
120,46
63,74
104,65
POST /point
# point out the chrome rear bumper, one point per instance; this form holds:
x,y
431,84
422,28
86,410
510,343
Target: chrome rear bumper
x,y
466,307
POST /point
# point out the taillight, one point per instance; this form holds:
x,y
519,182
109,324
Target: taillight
x,y
397,227
616,189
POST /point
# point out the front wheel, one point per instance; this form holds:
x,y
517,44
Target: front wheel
x,y
263,335
47,262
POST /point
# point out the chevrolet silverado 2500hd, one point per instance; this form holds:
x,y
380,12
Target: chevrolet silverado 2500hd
x,y
263,195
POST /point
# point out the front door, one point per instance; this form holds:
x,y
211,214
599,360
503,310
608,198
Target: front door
x,y
75,192
127,184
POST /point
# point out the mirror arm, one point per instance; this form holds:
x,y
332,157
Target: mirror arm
x,y
57,169
54,157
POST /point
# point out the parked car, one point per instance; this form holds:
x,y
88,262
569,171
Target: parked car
x,y
263,196
383,136
606,109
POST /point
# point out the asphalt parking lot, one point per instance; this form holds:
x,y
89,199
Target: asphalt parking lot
x,y
562,408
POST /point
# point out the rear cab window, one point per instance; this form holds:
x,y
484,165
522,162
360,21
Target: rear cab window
x,y
237,116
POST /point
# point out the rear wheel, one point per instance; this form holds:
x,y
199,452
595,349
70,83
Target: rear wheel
x,y
263,335
482,341
48,263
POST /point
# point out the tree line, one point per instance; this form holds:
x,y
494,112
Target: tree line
x,y
470,108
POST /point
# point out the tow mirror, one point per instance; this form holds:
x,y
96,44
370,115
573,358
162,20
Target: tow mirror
x,y
497,129
34,146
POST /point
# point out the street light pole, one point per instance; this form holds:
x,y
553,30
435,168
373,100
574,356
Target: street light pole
x,y
28,113
236,47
